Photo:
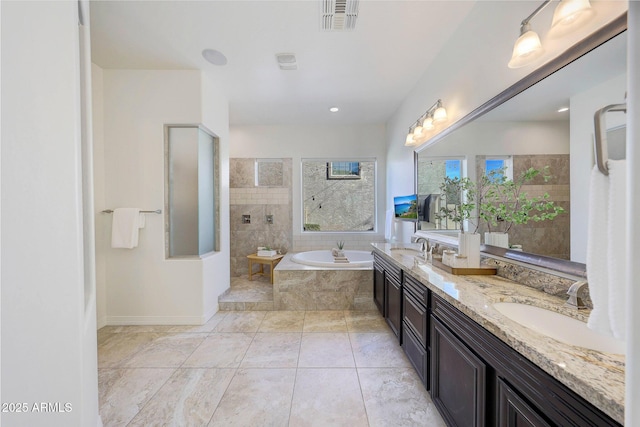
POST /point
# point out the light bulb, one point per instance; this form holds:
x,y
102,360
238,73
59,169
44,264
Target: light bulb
x,y
569,15
417,132
428,123
440,115
410,140
527,48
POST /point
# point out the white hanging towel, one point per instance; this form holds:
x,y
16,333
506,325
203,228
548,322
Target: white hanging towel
x,y
606,249
388,225
597,252
124,230
616,256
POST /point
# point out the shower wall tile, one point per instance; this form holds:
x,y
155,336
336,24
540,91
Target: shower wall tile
x,y
242,173
258,201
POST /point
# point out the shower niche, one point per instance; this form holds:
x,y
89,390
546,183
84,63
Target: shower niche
x,y
191,191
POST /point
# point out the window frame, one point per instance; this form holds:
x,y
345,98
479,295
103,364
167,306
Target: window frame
x,y
328,161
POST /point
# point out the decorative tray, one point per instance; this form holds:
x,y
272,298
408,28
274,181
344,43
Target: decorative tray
x,y
486,271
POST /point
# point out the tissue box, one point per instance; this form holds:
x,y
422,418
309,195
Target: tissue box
x,y
264,252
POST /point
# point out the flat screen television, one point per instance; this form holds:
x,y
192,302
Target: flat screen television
x,y
406,207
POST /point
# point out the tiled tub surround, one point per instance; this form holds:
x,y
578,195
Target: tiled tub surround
x,y
301,287
597,377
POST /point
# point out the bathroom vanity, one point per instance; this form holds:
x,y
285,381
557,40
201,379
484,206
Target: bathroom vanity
x,y
482,368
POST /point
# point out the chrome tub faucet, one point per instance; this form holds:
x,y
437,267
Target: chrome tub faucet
x,y
575,301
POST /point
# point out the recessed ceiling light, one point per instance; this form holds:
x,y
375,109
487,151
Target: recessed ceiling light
x,y
334,109
215,57
563,109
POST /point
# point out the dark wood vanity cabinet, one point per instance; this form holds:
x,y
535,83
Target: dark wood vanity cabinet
x,y
393,302
458,379
474,378
514,411
415,329
387,293
478,380
378,284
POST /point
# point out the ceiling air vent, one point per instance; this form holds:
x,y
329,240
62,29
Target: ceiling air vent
x,y
339,15
287,61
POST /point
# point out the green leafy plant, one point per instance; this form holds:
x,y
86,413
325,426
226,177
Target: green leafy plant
x,y
340,244
460,195
503,203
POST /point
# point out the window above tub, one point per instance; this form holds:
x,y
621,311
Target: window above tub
x,y
338,195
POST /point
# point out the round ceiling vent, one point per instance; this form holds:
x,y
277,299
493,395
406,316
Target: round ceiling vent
x,y
215,57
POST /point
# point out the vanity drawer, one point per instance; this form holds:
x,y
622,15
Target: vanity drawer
x,y
415,317
417,289
389,269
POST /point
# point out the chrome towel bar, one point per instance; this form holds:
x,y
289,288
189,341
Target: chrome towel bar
x,y
157,211
600,144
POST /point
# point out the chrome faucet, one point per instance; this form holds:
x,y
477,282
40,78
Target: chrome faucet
x,y
424,244
575,301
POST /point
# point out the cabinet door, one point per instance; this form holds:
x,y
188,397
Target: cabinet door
x,y
393,308
513,411
458,379
416,354
378,288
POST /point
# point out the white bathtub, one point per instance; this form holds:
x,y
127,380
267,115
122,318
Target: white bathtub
x,y
357,259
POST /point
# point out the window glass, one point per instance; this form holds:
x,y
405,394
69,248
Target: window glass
x,y
338,195
495,165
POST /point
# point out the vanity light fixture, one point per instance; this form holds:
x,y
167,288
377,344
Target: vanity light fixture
x,y
426,122
569,15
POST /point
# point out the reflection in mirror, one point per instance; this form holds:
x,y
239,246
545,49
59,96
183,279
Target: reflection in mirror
x,y
430,197
529,131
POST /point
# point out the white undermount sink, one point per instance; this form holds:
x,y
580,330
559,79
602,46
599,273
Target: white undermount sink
x,y
559,327
405,251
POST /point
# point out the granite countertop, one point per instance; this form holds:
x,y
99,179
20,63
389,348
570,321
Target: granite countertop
x,y
596,376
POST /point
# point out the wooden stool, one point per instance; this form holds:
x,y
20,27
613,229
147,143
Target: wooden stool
x,y
262,260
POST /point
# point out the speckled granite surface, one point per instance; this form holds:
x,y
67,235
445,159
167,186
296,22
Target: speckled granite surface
x,y
597,377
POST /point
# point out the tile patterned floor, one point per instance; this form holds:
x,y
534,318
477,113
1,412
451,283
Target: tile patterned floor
x,y
261,368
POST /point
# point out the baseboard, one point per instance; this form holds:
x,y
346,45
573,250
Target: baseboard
x,y
155,320
101,322
209,314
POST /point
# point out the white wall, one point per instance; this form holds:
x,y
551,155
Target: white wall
x,y
216,274
315,141
142,286
102,230
48,331
583,106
